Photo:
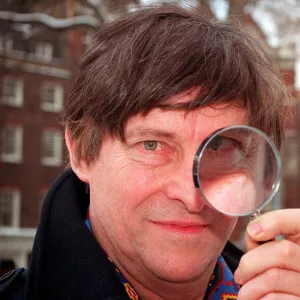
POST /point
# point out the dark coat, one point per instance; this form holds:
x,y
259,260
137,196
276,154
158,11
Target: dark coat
x,y
67,262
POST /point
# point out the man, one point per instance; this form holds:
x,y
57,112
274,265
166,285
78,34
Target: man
x,y
126,222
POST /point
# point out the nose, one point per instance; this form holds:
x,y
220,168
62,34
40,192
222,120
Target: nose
x,y
181,187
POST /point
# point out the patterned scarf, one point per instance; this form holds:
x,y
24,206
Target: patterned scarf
x,y
220,287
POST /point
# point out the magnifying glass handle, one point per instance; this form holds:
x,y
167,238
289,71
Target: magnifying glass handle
x,y
255,215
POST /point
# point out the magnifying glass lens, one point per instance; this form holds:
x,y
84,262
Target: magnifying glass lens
x,y
237,170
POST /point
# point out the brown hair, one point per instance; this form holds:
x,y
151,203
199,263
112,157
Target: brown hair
x,y
139,60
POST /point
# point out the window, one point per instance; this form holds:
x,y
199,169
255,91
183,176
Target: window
x,y
9,208
11,144
44,51
12,91
52,98
52,143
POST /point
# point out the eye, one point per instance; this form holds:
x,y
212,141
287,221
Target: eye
x,y
150,145
220,143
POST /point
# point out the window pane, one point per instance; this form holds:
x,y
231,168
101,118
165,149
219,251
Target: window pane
x,y
10,89
9,140
48,144
52,98
44,51
6,208
49,95
11,144
52,147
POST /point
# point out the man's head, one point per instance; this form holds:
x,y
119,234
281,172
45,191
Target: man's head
x,y
138,61
153,86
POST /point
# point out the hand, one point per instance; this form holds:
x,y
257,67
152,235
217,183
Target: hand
x,y
271,270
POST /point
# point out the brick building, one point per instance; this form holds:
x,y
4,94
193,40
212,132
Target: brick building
x,y
37,63
38,58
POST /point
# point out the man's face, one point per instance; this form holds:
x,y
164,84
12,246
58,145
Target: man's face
x,y
145,210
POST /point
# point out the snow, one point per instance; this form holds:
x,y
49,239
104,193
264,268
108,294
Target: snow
x,y
49,20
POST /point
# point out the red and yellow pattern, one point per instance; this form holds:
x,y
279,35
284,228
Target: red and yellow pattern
x,y
229,297
131,292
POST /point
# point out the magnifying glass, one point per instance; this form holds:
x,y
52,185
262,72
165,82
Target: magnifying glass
x,y
237,170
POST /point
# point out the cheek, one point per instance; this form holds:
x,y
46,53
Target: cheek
x,y
224,226
119,199
121,191
138,185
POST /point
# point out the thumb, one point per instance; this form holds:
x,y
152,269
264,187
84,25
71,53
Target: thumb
x,y
257,234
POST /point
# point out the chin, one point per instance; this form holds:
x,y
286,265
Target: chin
x,y
180,268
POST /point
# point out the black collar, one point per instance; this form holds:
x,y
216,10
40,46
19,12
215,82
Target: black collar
x,y
67,262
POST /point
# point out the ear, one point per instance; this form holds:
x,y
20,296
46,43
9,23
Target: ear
x,y
80,168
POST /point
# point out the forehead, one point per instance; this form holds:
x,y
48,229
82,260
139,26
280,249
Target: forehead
x,y
199,122
207,117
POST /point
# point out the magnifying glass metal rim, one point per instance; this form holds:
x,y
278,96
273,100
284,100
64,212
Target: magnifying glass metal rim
x,y
199,154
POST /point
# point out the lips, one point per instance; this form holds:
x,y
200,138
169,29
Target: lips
x,y
181,227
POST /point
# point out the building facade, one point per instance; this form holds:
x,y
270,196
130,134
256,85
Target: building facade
x,y
37,64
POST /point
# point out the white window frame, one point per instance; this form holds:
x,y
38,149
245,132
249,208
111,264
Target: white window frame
x,y
16,206
44,51
16,156
15,100
58,94
56,159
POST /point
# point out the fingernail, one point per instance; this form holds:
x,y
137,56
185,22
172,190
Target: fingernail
x,y
254,228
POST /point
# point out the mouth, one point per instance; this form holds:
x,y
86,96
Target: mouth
x,y
181,227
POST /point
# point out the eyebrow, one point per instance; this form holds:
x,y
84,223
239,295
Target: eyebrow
x,y
139,132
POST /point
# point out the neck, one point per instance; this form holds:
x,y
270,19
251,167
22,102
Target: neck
x,y
158,289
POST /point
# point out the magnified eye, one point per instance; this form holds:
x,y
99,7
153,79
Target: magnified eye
x,y
150,145
222,155
221,143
